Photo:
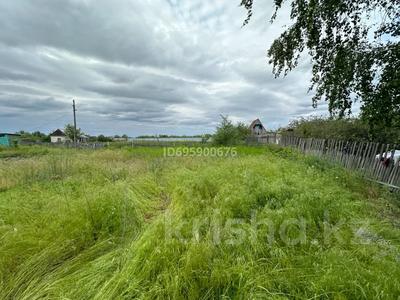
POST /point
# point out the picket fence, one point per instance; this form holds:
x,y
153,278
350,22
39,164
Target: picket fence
x,y
373,160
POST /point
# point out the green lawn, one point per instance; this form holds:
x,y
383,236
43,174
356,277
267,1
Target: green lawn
x,y
129,223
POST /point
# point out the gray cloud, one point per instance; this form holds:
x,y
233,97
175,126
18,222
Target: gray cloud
x,y
30,104
9,75
137,67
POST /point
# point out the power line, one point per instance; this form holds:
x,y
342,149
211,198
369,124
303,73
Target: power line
x,y
48,122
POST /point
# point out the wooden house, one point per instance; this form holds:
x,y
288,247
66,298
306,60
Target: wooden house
x,y
257,128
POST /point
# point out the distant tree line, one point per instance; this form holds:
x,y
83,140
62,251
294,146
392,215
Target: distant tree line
x,y
34,137
69,130
228,133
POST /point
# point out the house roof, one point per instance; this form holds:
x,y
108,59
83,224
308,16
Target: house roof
x,y
255,122
58,132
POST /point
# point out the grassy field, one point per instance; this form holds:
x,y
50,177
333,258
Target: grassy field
x,y
130,223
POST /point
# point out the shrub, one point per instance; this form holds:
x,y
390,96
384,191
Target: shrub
x,y
350,129
230,134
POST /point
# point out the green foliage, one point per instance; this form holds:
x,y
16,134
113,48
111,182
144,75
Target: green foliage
x,y
342,129
118,224
34,137
69,130
229,134
103,139
243,131
355,50
349,129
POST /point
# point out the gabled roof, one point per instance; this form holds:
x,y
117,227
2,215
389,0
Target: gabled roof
x,y
58,132
255,122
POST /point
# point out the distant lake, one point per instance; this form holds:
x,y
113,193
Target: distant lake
x,y
181,139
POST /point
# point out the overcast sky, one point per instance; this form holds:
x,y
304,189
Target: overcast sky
x,y
142,67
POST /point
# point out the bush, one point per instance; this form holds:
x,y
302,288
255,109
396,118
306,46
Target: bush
x,y
350,129
318,127
103,139
229,134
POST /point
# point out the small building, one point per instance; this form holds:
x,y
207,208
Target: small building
x,y
84,138
257,128
9,139
59,136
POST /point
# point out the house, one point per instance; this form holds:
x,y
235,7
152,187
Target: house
x,y
257,128
9,139
59,136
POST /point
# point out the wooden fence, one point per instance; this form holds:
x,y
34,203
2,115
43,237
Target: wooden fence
x,y
375,161
97,145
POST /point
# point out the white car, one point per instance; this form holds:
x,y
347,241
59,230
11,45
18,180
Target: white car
x,y
396,156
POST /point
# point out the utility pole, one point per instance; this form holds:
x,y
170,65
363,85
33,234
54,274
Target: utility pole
x,y
74,111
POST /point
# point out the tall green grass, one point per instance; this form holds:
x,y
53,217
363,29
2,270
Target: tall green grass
x,y
129,223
